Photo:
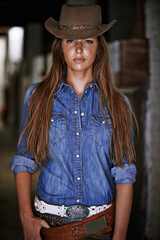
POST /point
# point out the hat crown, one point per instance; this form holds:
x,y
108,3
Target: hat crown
x,y
81,15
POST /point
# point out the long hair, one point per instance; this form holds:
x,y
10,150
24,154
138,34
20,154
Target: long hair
x,y
41,101
121,112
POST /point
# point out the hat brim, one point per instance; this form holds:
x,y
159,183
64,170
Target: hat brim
x,y
53,27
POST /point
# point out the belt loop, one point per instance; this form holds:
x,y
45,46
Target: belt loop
x,y
62,211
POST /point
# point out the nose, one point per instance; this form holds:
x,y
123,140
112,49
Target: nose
x,y
79,48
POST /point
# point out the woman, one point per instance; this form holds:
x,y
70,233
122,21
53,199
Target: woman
x,y
79,126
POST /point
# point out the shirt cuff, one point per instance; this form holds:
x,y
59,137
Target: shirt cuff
x,y
22,164
127,174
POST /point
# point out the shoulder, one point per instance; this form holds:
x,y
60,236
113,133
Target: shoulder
x,y
129,106
31,88
127,101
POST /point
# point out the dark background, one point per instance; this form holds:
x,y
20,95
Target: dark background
x,y
137,32
20,13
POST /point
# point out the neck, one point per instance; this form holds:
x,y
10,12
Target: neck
x,y
79,80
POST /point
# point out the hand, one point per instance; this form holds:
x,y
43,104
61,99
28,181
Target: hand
x,y
32,226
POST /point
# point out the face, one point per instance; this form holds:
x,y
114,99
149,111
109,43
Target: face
x,y
80,54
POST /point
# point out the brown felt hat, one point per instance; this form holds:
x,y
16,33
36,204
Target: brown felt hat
x,y
78,22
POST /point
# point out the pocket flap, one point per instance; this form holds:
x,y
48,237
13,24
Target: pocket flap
x,y
57,117
100,119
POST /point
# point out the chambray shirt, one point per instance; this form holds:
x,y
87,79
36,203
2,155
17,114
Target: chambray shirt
x,y
79,169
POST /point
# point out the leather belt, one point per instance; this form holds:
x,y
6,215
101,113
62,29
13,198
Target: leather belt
x,y
98,224
66,211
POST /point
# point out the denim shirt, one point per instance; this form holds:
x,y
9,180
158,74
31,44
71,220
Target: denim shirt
x,y
79,169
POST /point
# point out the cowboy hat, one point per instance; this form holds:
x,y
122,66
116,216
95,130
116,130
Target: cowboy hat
x,y
78,22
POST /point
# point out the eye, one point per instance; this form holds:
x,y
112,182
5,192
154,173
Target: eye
x,y
70,41
87,41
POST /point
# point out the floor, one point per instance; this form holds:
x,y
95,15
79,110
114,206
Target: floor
x,y
10,225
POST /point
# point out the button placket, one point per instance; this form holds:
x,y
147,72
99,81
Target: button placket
x,y
77,130
79,118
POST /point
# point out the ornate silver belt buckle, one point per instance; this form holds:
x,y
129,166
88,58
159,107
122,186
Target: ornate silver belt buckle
x,y
77,212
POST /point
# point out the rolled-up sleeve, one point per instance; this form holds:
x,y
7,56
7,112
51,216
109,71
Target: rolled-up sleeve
x,y
21,163
127,174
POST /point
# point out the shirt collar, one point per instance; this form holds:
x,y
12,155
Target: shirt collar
x,y
62,83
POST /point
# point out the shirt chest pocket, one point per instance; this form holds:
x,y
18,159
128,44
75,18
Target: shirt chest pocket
x,y
99,131
57,127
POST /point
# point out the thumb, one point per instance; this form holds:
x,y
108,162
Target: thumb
x,y
45,224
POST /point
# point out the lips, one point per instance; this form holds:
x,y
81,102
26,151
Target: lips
x,y
78,60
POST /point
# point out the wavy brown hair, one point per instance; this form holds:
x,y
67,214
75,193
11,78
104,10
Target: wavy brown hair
x,y
40,107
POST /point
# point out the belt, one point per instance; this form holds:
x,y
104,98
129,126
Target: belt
x,y
97,224
75,212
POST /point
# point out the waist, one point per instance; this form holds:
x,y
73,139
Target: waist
x,y
75,212
88,194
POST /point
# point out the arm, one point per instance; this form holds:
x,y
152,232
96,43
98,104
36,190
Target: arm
x,y
31,224
124,193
